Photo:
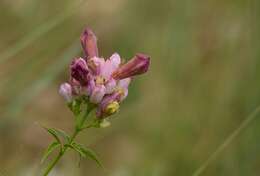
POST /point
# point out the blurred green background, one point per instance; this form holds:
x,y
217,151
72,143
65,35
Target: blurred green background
x,y
203,82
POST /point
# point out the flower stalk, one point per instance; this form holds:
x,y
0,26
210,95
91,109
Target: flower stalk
x,y
63,150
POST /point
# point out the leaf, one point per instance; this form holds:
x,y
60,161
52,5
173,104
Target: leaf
x,y
63,134
86,152
54,133
49,150
76,149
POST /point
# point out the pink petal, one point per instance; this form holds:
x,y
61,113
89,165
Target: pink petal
x,y
97,94
110,86
110,66
124,83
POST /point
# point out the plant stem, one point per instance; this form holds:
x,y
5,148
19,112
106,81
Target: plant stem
x,y
63,150
61,153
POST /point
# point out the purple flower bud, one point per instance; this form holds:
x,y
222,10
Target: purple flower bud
x,y
79,70
89,43
136,66
66,91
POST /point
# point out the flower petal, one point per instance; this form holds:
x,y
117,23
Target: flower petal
x,y
97,94
124,83
95,64
66,91
110,86
110,66
115,60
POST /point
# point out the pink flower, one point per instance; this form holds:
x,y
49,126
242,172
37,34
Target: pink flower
x,y
104,81
136,66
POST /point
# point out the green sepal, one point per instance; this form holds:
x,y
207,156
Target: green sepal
x,y
75,106
49,150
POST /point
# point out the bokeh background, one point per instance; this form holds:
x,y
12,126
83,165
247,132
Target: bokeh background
x,y
203,82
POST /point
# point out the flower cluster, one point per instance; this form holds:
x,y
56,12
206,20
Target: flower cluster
x,y
103,81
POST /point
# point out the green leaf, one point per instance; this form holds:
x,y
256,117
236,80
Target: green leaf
x,y
53,133
49,150
86,152
63,134
76,149
57,133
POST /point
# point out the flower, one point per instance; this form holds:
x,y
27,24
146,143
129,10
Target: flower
x,y
104,81
66,91
136,66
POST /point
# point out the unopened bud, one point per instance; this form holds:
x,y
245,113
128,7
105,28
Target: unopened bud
x,y
136,66
79,70
112,108
89,43
66,91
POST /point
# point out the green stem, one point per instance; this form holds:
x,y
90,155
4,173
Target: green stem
x,y
62,151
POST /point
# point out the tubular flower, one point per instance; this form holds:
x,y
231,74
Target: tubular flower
x,y
104,81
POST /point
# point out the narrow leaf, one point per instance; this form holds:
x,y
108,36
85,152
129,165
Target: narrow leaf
x,y
82,154
63,134
53,133
49,150
87,153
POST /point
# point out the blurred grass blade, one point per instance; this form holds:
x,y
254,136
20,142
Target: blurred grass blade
x,y
228,140
35,34
18,103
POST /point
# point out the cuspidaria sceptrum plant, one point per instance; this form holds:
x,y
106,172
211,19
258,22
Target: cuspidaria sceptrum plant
x,y
95,84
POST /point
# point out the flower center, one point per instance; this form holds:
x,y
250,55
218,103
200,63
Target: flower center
x,y
100,80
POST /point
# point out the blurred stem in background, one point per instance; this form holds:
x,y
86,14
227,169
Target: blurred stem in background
x,y
229,139
37,33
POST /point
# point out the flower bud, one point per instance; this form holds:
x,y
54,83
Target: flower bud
x,y
79,70
136,66
111,108
89,43
109,105
66,91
